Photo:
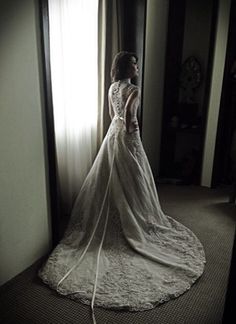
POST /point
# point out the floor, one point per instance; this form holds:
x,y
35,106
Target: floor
x,y
25,299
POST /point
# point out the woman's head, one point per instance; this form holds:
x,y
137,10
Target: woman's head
x,y
124,66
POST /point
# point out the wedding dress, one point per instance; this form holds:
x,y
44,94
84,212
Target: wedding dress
x,y
120,250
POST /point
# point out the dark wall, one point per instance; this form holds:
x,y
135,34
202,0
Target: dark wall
x,y
133,27
133,22
175,38
182,145
227,114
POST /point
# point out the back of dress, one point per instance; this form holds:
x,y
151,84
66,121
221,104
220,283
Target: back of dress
x,y
119,94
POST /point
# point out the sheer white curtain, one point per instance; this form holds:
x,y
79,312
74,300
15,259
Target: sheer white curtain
x,y
73,31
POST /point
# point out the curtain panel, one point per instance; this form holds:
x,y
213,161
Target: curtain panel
x,y
84,36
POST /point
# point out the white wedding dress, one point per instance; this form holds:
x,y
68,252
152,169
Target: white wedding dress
x,y
120,250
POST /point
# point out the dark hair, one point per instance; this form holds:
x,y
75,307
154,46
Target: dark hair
x,y
121,64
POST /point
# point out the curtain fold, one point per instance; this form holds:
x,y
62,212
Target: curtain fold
x,y
121,27
109,43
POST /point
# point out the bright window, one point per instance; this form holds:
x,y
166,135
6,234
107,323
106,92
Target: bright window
x,y
73,55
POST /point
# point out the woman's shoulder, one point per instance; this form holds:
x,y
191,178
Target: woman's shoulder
x,y
133,88
126,86
113,86
130,87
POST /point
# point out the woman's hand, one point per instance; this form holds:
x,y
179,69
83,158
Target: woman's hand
x,y
133,127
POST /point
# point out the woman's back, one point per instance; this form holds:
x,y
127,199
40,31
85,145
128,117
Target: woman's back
x,y
124,101
119,92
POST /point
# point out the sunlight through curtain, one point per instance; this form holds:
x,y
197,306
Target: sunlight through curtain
x,y
73,30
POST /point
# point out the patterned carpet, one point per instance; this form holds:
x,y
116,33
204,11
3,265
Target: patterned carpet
x,y
26,300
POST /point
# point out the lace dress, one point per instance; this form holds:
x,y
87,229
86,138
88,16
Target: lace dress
x,y
120,250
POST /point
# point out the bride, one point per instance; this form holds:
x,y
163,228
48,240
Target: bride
x,y
120,250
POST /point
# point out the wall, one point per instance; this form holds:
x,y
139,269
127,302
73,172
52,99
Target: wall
x,y
156,31
154,65
24,216
215,91
198,14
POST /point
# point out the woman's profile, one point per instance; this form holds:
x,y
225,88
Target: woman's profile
x,y
120,250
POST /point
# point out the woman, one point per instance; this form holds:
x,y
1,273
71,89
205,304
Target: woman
x,y
120,250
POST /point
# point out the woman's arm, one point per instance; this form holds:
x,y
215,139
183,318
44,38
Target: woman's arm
x,y
131,111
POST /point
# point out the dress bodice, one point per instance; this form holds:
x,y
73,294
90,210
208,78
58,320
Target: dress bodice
x,y
119,93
